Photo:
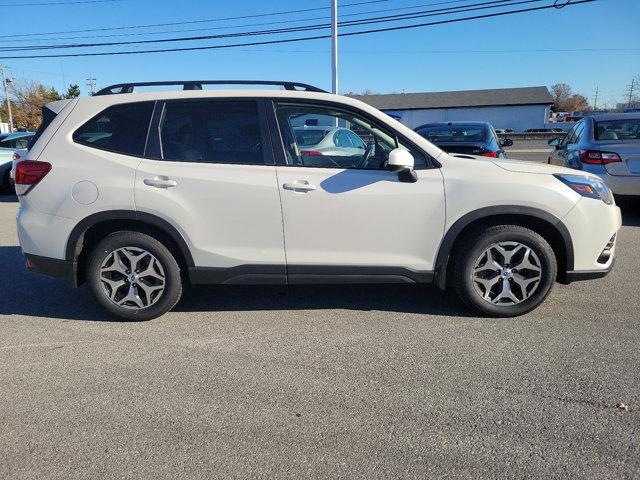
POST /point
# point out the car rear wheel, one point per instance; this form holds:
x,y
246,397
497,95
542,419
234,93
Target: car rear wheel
x,y
507,271
5,183
134,276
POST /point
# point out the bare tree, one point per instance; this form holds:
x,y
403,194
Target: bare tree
x,y
27,99
564,100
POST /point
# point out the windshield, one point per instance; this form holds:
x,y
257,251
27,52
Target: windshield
x,y
307,138
453,133
627,129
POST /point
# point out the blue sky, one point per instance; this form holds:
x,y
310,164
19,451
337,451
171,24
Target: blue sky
x,y
488,53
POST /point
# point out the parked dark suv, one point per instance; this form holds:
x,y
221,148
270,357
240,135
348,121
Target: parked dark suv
x,y
469,138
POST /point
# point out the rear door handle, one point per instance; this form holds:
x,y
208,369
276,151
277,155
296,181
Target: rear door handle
x,y
160,181
299,186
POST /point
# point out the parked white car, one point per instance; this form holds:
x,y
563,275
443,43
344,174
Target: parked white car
x,y
141,195
335,141
10,142
18,156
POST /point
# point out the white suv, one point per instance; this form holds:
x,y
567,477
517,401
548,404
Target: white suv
x,y
139,195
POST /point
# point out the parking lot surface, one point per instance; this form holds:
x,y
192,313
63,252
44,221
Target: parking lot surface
x,y
531,150
319,382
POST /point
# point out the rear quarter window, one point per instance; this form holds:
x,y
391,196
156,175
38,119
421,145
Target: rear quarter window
x,y
627,129
120,128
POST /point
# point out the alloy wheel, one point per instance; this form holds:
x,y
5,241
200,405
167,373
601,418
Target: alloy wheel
x,y
132,278
507,273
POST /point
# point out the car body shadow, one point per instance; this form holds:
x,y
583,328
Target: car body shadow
x,y
27,293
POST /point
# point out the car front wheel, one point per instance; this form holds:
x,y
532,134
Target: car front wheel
x,y
134,276
508,270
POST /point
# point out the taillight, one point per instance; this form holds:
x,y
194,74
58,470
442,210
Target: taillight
x,y
310,152
597,157
29,173
490,154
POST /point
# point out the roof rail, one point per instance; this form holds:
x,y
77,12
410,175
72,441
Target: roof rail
x,y
197,85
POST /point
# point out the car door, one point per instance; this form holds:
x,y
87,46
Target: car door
x,y
359,222
563,153
209,171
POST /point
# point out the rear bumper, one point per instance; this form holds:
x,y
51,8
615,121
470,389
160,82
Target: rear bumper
x,y
53,267
621,185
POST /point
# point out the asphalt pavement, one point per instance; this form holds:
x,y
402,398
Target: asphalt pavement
x,y
319,382
531,150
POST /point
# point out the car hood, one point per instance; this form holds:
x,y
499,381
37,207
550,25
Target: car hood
x,y
524,166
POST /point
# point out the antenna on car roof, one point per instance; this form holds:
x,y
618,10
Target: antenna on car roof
x,y
197,85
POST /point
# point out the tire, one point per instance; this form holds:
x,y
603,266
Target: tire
x,y
5,184
480,284
120,290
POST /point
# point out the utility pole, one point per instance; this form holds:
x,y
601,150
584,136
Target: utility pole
x,y
5,83
91,84
334,45
631,91
595,102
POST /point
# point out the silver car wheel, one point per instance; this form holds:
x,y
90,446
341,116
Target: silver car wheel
x,y
507,273
132,278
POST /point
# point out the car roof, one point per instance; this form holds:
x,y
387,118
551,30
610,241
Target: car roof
x,y
615,116
9,136
444,124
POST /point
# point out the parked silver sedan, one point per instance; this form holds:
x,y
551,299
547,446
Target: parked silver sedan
x,y
607,145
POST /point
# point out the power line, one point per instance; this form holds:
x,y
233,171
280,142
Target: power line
x,y
226,27
191,22
291,40
366,21
71,2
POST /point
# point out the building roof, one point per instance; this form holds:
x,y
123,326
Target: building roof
x,y
459,99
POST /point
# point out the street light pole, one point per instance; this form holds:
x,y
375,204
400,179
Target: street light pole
x,y
334,45
5,82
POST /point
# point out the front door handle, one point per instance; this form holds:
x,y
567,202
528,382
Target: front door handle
x,y
160,181
299,186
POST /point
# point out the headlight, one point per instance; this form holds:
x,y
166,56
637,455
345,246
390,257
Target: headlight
x,y
587,187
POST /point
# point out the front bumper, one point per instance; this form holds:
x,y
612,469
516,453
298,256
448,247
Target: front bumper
x,y
580,275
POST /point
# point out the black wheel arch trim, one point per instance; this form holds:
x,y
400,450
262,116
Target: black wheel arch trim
x,y
71,251
450,237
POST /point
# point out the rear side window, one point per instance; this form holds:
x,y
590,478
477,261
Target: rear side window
x,y
627,129
120,128
212,132
309,137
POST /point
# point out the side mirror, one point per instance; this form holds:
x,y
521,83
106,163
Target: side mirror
x,y
401,161
554,142
507,142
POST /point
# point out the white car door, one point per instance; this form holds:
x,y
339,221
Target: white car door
x,y
214,179
360,223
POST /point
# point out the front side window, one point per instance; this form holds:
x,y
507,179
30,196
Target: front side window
x,y
627,129
7,143
211,131
349,141
120,128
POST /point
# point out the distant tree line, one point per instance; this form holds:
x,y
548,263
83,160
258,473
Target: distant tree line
x,y
27,99
564,100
